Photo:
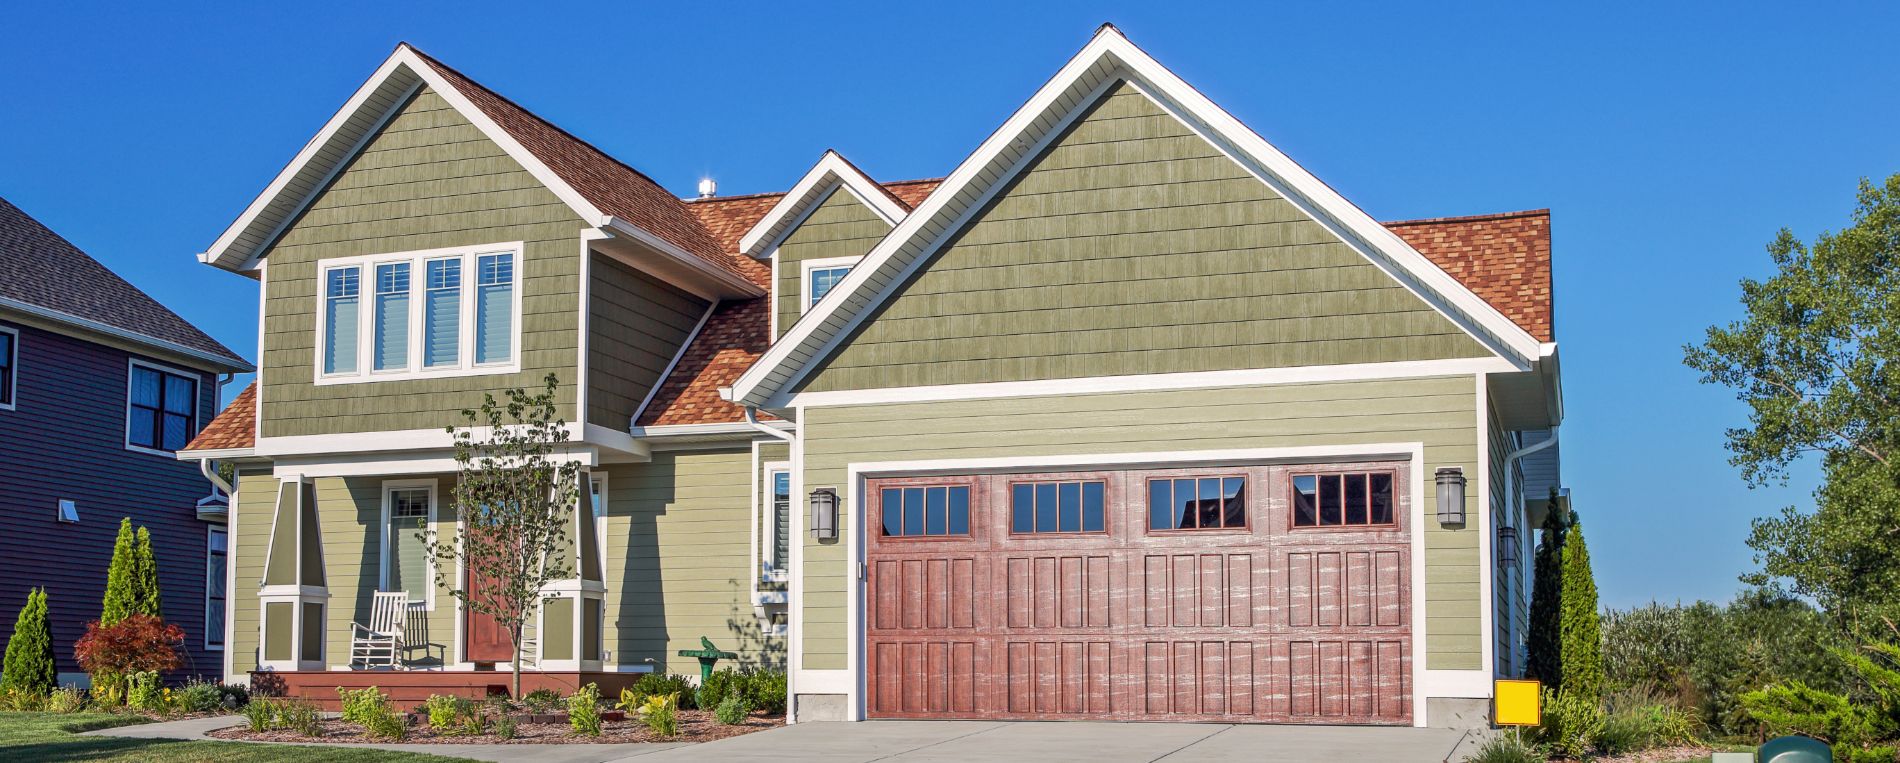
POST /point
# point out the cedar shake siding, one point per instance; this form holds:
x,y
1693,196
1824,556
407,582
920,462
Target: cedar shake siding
x,y
66,440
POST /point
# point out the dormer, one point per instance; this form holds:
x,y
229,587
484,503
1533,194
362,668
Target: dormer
x,y
817,232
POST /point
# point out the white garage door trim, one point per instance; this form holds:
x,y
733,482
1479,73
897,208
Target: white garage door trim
x,y
813,681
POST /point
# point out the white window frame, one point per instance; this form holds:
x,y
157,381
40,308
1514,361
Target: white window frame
x,y
597,482
465,364
211,532
13,368
768,521
384,547
197,404
805,268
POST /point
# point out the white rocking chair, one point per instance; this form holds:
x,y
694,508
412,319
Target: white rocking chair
x,y
380,643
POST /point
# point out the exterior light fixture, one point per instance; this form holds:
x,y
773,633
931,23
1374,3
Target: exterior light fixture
x,y
1451,496
1507,546
824,514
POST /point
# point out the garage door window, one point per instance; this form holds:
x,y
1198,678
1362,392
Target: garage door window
x,y
918,512
1342,500
1056,507
1201,503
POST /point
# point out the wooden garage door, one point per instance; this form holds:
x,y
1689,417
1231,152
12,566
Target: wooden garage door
x,y
1262,593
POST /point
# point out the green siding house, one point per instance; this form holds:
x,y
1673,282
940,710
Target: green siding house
x,y
1126,417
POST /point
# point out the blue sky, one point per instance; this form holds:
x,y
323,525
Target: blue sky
x,y
1670,141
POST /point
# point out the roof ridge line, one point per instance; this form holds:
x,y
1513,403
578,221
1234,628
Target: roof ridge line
x,y
1541,212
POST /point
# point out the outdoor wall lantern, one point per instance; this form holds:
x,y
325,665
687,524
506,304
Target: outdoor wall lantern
x,y
1451,496
824,514
1507,546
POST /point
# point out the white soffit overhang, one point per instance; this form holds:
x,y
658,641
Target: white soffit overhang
x,y
1107,59
832,171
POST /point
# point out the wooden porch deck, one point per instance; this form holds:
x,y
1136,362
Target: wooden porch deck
x,y
410,688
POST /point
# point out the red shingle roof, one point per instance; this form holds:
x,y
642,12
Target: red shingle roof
x,y
236,427
1504,258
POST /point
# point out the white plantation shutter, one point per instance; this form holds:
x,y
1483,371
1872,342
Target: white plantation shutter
x,y
392,316
339,316
494,309
442,314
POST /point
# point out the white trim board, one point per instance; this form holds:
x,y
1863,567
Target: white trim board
x,y
831,171
1107,59
805,267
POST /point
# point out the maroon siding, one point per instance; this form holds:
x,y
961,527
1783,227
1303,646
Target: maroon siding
x,y
66,439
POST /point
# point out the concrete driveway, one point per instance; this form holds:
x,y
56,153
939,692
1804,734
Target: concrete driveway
x,y
1078,741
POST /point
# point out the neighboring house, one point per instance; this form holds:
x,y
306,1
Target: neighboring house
x,y
100,385
1128,416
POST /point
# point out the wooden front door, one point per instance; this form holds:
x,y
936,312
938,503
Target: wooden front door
x,y
1237,594
485,639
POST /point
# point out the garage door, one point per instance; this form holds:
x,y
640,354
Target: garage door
x,y
1268,593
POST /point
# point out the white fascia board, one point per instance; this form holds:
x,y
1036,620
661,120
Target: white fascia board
x,y
385,442
215,454
1107,58
831,171
740,428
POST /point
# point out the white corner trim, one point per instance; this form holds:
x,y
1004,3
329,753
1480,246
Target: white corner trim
x,y
1463,684
1248,377
805,267
832,170
1108,58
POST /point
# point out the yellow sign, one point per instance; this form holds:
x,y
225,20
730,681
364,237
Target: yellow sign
x,y
1517,703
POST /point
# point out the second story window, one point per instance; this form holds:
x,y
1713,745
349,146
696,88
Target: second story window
x,y
9,354
162,412
821,276
443,312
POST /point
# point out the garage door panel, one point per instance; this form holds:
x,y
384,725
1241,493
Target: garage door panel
x,y
1331,588
924,593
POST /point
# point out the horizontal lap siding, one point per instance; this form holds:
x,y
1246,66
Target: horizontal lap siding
x,y
635,329
429,180
1441,413
65,439
256,504
678,559
841,226
1132,246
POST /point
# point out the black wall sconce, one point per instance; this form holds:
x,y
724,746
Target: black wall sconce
x,y
824,514
1451,496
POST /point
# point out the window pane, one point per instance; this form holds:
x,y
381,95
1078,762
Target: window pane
x,y
913,511
339,320
1160,505
823,279
494,309
1091,507
890,507
6,369
1184,508
1210,503
146,386
1071,514
1329,490
442,314
781,519
1305,501
144,429
177,431
1381,499
214,623
936,510
409,560
181,395
959,511
1022,505
392,316
1234,502
1355,499
1046,505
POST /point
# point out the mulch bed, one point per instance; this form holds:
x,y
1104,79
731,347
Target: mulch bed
x,y
695,726
1660,755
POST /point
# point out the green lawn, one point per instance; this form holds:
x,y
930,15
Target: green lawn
x,y
50,737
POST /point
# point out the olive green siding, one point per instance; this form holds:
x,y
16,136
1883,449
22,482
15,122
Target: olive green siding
x,y
429,180
250,539
353,536
841,226
277,618
1510,601
557,629
1132,246
635,328
281,511
1441,413
679,558
312,636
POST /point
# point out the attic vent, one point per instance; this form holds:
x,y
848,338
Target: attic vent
x,y
707,187
68,511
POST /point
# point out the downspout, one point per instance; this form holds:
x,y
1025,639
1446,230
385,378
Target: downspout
x,y
760,598
752,419
211,473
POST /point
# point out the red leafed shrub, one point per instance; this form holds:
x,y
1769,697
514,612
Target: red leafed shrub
x,y
137,643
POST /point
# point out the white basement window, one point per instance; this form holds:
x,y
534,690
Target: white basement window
x,y
426,317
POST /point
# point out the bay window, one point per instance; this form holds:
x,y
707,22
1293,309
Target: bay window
x,y
427,318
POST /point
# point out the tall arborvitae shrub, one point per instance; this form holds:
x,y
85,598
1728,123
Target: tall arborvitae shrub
x,y
29,663
1582,629
1544,647
121,589
145,579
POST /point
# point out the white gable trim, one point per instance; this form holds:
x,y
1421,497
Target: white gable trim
x,y
831,171
1107,59
399,77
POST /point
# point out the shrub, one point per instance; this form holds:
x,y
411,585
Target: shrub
x,y
1622,732
541,700
136,644
386,724
1796,708
505,727
583,711
66,700
121,597
661,714
1876,754
233,696
655,684
765,691
1570,724
145,691
716,687
21,701
1506,748
200,697
733,710
29,660
1580,628
473,723
446,713
301,716
260,715
359,705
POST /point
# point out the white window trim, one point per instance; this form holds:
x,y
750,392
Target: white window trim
x,y
13,367
383,546
226,604
805,267
768,521
599,481
418,286
197,404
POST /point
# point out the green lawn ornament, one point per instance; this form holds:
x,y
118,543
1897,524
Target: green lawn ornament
x,y
1793,749
708,657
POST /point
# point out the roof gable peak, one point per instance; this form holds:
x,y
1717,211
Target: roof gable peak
x,y
831,172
